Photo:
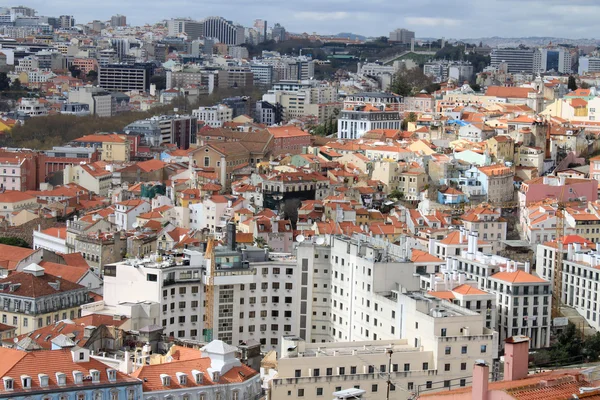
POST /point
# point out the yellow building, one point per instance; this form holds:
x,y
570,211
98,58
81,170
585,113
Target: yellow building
x,y
501,147
32,299
112,147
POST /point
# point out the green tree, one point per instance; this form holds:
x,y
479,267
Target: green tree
x,y
410,82
4,81
75,71
14,241
92,76
572,83
396,194
585,85
16,85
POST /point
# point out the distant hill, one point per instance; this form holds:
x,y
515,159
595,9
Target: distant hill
x,y
352,36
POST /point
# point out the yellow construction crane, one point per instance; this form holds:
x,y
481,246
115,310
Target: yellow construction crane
x,y
209,290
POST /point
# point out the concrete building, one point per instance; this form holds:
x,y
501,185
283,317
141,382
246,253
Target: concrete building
x,y
125,77
192,29
588,64
66,21
225,31
402,35
98,100
93,177
117,21
363,112
517,60
214,116
552,59
51,239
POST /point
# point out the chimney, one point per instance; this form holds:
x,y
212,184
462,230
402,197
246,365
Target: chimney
x,y
527,267
481,376
516,358
231,231
431,245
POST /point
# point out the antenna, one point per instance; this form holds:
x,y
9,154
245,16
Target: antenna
x,y
300,238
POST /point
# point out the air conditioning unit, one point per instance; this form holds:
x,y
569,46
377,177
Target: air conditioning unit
x,y
275,290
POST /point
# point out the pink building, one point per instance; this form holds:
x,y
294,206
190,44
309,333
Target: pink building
x,y
560,188
86,65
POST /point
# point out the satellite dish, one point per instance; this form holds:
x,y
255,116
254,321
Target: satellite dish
x,y
320,240
16,340
135,224
300,238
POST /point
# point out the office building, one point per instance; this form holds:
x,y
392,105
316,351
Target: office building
x,y
261,27
588,64
552,59
98,100
268,114
278,33
193,29
517,60
224,31
118,21
176,129
234,76
125,77
402,35
66,21
263,74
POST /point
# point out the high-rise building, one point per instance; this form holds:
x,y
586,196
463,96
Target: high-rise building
x,y
225,31
278,33
118,20
66,21
261,27
402,36
193,29
125,77
557,59
518,60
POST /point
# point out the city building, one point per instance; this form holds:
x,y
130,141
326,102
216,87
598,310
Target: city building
x,y
99,101
118,21
552,59
33,299
225,31
588,64
215,374
214,116
402,35
517,60
66,21
112,147
125,77
364,112
63,373
193,29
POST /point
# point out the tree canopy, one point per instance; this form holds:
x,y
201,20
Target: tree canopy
x,y
14,241
410,82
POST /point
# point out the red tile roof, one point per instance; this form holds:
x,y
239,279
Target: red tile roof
x,y
68,272
518,277
14,196
11,256
37,286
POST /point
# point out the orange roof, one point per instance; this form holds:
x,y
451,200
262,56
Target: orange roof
x,y
99,138
468,290
577,103
11,256
518,276
57,232
151,374
151,165
419,256
14,196
511,92
68,272
444,295
286,131
16,363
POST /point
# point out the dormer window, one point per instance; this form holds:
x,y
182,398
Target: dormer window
x,y
43,378
198,377
95,375
182,378
216,376
61,379
165,379
112,374
8,383
26,381
78,377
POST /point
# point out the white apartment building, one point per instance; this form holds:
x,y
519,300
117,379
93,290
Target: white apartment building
x,y
214,116
523,300
580,276
32,107
439,343
126,212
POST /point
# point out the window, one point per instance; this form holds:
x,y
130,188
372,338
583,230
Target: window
x,y
374,388
316,372
463,366
152,277
425,366
448,350
446,367
353,370
319,391
298,373
463,350
483,348
300,392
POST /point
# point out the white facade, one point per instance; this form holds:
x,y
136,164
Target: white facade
x,y
214,116
55,244
126,213
32,107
